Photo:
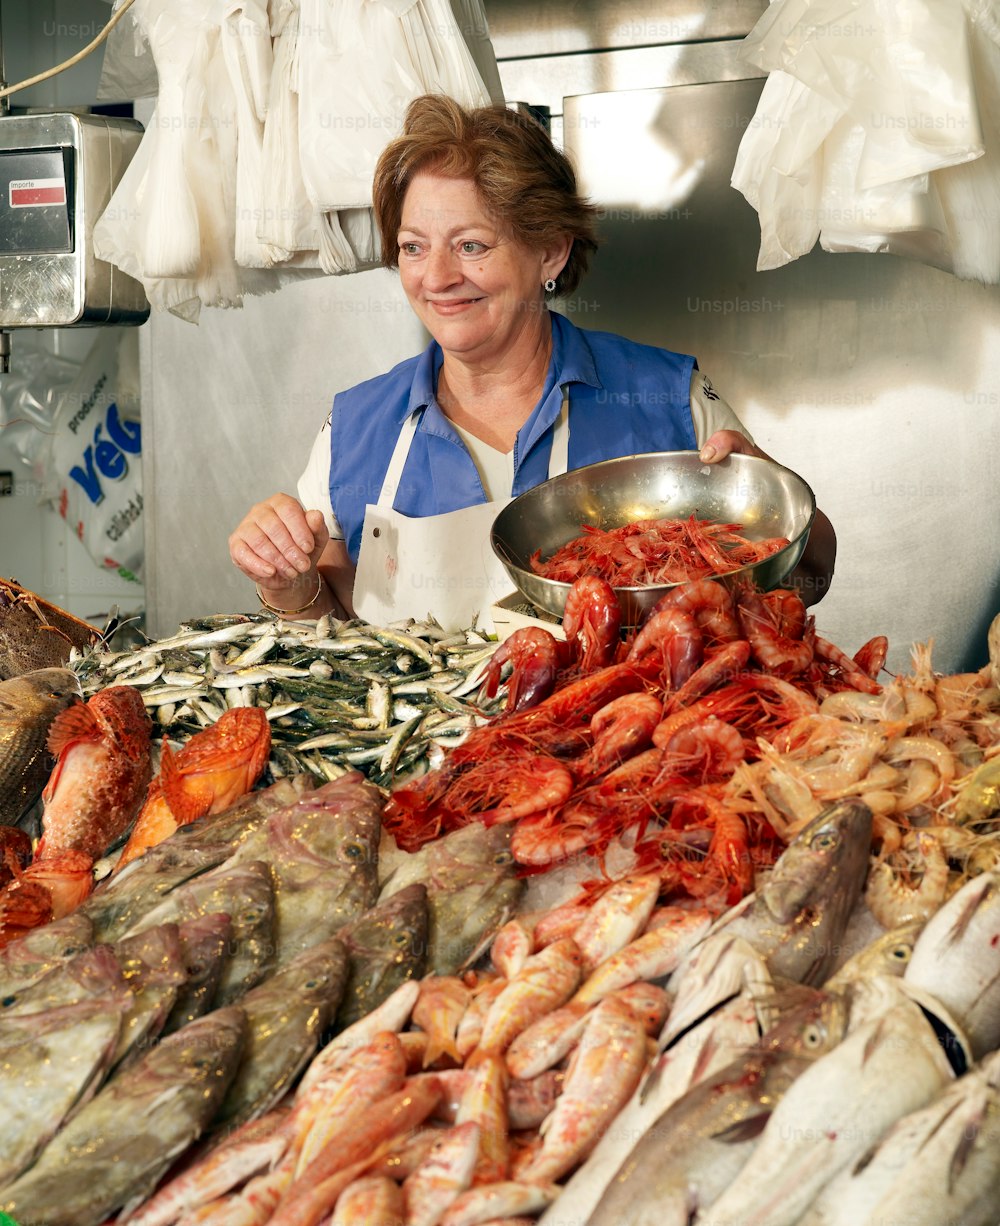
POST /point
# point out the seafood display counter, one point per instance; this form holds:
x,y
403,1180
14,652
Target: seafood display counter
x,y
310,922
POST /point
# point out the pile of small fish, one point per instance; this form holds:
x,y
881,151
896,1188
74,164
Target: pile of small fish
x,y
338,694
214,966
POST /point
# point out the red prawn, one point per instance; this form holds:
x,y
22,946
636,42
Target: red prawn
x,y
762,628
536,656
592,622
710,604
673,638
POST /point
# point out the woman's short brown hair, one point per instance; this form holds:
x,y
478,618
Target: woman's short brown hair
x,y
521,177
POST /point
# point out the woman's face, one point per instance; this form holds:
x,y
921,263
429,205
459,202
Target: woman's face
x,y
474,289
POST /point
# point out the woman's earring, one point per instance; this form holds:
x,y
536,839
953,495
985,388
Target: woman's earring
x,y
549,285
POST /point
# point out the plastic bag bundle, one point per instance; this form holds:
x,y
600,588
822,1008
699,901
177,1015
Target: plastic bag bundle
x,y
869,119
172,221
256,166
360,66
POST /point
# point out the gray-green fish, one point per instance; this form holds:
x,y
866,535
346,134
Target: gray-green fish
x,y
287,1015
702,1140
76,979
117,1147
204,944
244,892
323,852
117,905
28,705
52,1061
385,947
153,966
795,921
26,960
472,891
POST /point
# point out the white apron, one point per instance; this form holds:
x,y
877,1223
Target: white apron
x,y
441,565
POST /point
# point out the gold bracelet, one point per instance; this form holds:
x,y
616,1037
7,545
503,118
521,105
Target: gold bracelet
x,y
290,612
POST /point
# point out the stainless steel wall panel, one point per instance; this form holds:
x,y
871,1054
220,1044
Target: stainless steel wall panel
x,y
525,28
547,80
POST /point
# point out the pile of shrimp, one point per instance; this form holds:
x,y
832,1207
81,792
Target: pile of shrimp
x,y
924,755
634,740
651,551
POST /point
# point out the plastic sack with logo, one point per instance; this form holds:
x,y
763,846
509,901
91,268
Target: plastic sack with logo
x,y
93,470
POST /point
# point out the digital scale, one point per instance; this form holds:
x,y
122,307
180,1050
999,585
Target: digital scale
x,y
57,174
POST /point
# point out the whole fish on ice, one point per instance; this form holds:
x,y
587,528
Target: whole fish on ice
x,y
956,961
693,1150
938,1164
53,1059
795,920
707,1048
890,1064
386,946
152,964
286,1017
322,851
31,957
119,903
204,942
244,892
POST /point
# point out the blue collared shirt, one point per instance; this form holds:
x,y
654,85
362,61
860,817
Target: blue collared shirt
x,y
624,399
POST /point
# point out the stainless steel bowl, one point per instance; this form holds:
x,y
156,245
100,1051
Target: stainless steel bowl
x,y
766,498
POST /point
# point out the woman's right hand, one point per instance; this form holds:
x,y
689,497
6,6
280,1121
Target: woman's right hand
x,y
278,541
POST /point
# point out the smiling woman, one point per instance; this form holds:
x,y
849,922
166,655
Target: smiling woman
x,y
480,213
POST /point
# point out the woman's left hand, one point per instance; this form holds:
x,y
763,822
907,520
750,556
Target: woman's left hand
x,y
728,442
812,576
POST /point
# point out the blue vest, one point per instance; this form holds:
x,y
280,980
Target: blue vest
x,y
624,399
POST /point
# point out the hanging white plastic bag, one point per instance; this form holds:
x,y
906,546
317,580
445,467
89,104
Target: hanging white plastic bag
x,y
361,63
865,100
470,16
93,472
127,70
287,218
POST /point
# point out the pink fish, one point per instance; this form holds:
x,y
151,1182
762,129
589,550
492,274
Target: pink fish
x,y
439,1009
369,1200
606,1070
544,982
444,1174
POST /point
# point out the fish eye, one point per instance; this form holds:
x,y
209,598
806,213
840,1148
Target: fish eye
x,y
312,983
901,953
812,1037
354,850
503,857
826,840
401,939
